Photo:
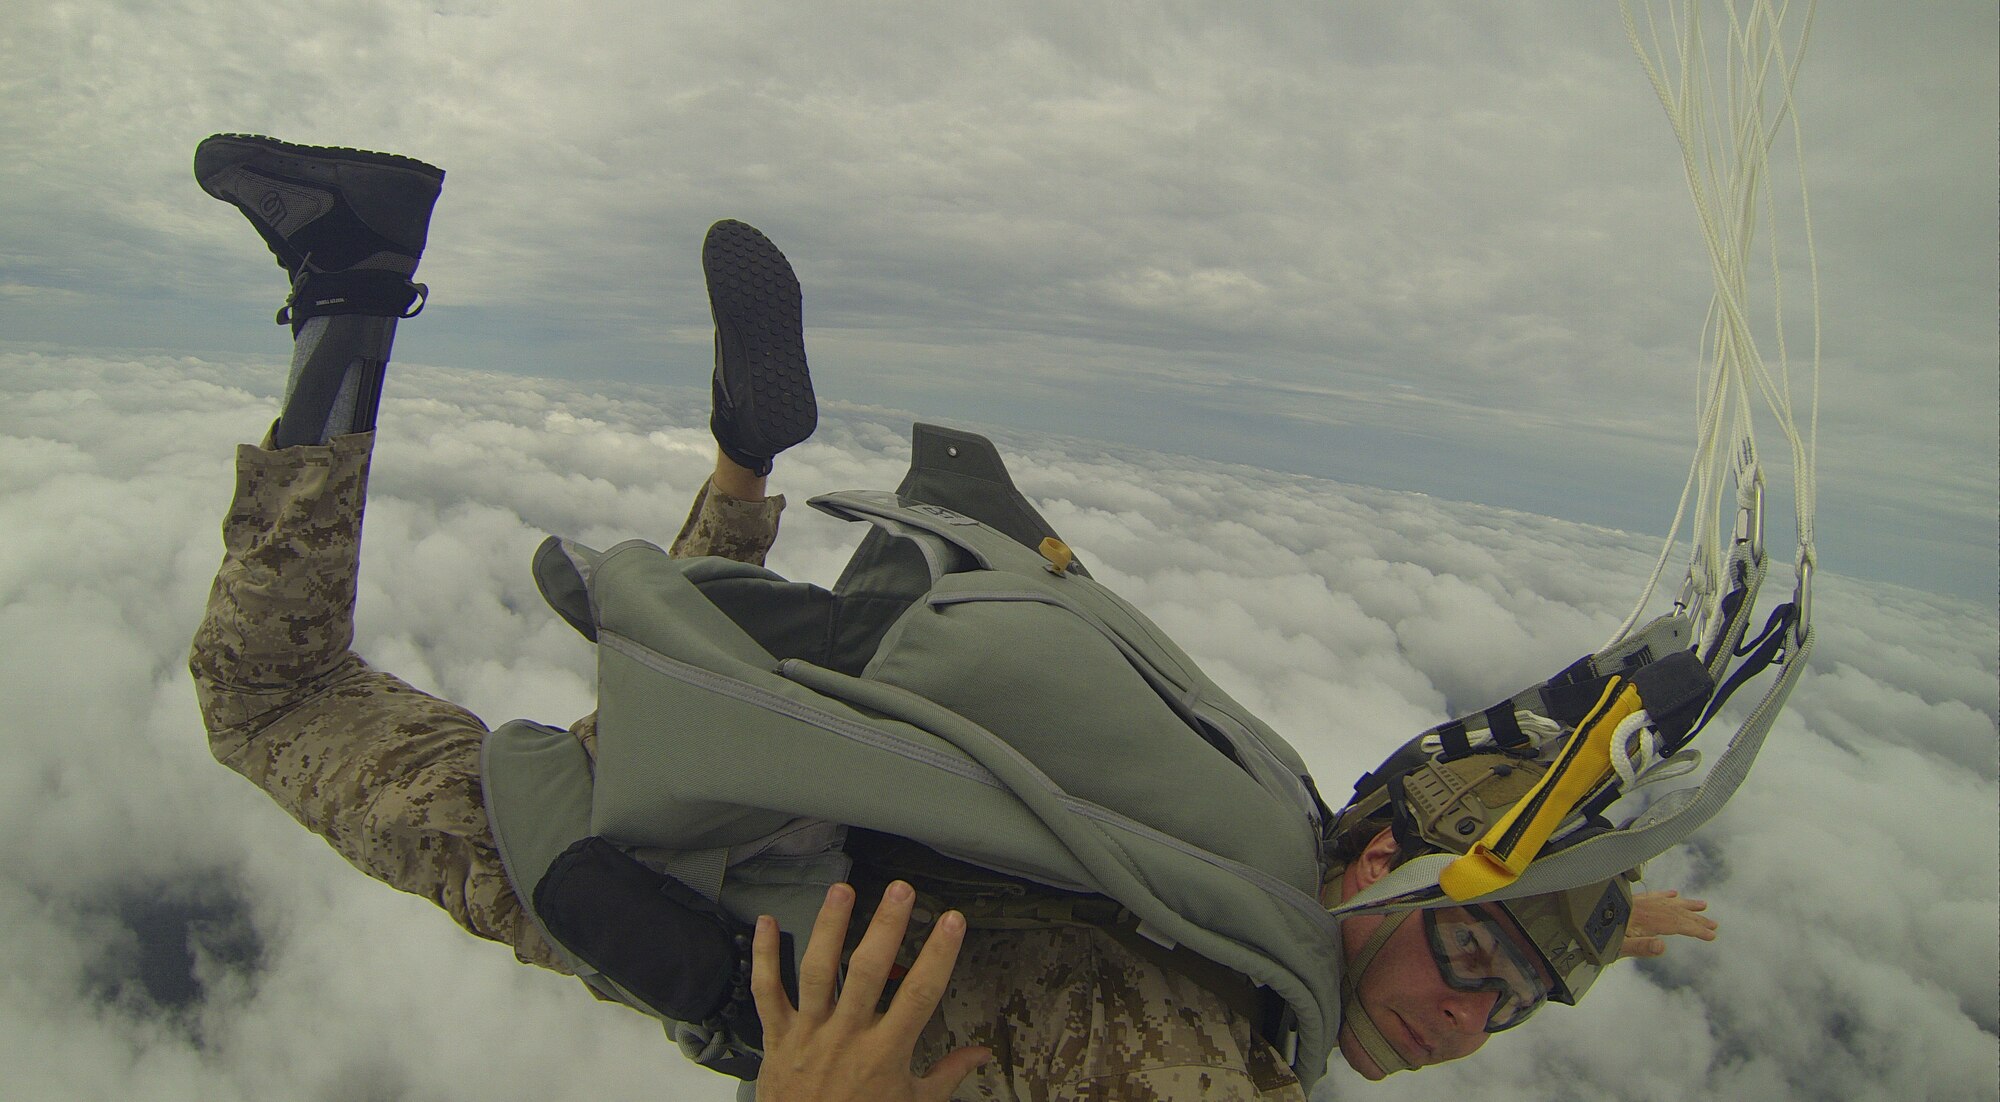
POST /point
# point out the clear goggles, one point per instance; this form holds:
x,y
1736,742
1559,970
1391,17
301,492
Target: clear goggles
x,y
1479,951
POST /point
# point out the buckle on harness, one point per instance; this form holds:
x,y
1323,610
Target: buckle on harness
x,y
1750,515
1802,598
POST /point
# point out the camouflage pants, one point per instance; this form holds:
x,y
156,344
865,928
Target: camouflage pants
x,y
387,774
1073,1016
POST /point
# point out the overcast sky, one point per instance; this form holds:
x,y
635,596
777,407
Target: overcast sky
x,y
1854,875
1233,283
1427,246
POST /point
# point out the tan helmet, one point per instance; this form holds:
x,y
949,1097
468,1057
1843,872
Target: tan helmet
x,y
1448,805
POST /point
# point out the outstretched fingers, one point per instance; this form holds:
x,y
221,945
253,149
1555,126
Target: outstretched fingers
x,y
924,987
767,986
917,999
833,1047
819,968
869,966
1658,915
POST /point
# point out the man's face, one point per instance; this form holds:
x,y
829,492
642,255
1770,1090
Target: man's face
x,y
1426,1019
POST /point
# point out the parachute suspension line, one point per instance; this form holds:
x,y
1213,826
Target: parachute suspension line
x,y
1726,116
1726,135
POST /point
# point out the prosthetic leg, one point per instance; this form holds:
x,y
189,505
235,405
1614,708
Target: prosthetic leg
x,y
348,227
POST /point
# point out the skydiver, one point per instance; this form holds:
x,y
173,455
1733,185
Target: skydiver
x,y
390,775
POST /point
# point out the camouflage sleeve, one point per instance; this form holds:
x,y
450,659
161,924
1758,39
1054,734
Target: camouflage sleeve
x,y
387,774
1074,1017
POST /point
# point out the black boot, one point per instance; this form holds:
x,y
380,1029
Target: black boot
x,y
348,226
762,390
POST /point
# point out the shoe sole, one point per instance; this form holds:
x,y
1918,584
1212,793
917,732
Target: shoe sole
x,y
221,152
282,186
760,338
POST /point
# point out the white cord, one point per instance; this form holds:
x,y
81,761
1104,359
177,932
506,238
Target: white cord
x,y
1725,137
1644,752
1540,729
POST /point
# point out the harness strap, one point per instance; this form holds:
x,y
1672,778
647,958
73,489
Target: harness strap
x,y
1455,740
1506,729
1762,652
1355,1016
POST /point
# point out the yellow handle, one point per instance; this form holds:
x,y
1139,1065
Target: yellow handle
x,y
1505,852
1058,553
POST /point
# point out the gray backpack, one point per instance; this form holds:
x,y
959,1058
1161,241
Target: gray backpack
x,y
965,686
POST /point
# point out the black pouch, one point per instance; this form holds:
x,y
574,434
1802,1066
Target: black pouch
x,y
654,936
1674,690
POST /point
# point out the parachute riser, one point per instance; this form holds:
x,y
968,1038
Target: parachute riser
x,y
1719,624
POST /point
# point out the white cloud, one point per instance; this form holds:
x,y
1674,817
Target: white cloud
x,y
1854,875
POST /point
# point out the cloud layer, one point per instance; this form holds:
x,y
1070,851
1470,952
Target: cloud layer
x,y
174,936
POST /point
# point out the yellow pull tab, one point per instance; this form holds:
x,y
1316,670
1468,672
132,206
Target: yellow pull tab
x,y
1496,860
1059,555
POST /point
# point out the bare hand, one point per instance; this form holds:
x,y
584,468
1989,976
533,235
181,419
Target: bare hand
x,y
1657,914
825,1050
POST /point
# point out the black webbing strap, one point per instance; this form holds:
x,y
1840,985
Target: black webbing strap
x,y
1454,740
1506,729
1673,691
1730,608
1641,657
365,291
1582,670
1759,654
1569,702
